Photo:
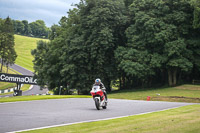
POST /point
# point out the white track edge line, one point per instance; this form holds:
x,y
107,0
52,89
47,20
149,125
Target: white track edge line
x,y
67,124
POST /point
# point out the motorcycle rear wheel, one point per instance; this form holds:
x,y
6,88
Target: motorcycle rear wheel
x,y
97,104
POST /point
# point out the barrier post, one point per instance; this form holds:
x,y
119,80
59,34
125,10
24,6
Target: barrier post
x,y
148,98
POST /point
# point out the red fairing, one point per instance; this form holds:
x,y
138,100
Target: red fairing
x,y
97,93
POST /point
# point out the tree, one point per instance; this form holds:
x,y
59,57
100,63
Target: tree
x,y
39,29
47,64
96,36
1,38
19,27
157,40
194,41
54,32
139,43
7,51
27,29
196,21
82,47
40,54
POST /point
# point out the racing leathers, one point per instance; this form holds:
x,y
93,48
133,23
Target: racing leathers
x,y
103,89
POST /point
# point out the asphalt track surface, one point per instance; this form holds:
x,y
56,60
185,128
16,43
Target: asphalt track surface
x,y
18,116
35,89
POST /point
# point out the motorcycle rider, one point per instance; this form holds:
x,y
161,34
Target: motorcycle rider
x,y
99,83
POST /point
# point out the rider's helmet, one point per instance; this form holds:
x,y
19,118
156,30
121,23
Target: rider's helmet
x,y
98,81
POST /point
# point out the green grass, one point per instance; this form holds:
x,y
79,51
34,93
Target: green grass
x,y
184,93
40,97
23,47
24,88
179,120
6,85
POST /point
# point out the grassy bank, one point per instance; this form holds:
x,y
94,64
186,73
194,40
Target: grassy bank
x,y
183,93
23,47
180,120
40,97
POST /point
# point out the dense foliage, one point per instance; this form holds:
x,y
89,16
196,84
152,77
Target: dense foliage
x,y
34,29
7,51
135,42
157,40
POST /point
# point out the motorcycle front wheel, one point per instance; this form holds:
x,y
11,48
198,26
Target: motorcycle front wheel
x,y
104,107
97,103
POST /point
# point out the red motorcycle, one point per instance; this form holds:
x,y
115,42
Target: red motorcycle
x,y
99,97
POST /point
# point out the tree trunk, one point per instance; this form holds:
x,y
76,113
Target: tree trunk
x,y
150,81
170,77
179,77
7,69
108,85
123,82
1,65
120,83
174,77
163,76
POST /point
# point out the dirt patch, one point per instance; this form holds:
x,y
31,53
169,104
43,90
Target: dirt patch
x,y
188,87
176,99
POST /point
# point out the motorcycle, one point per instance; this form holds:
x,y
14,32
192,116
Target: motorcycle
x,y
99,97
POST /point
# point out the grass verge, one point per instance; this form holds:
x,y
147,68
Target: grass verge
x,y
25,87
40,97
179,120
23,47
183,93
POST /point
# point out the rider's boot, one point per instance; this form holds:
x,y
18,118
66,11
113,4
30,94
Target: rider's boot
x,y
106,97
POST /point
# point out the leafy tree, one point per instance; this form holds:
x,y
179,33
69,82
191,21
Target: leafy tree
x,y
133,41
194,41
196,22
82,47
19,27
157,40
27,29
39,29
40,54
93,42
47,64
7,51
54,32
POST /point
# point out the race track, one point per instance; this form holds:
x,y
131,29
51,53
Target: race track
x,y
35,114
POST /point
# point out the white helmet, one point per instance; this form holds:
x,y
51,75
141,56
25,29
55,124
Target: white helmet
x,y
98,81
